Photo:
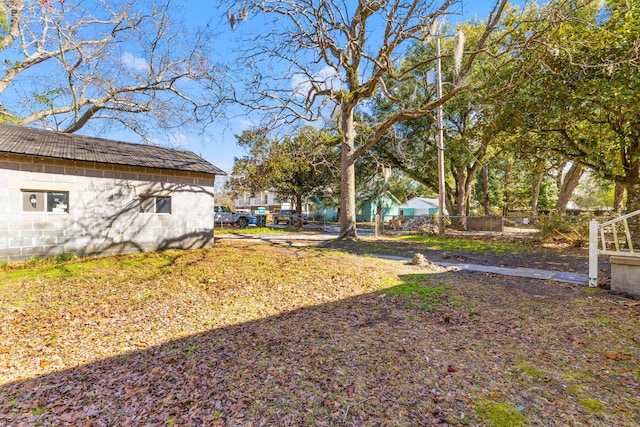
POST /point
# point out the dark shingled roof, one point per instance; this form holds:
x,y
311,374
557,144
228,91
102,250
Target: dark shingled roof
x,y
58,145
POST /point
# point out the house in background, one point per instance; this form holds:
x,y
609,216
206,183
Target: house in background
x,y
367,212
264,199
328,212
66,193
269,201
418,206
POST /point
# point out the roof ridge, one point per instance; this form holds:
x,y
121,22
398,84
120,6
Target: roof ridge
x,y
59,145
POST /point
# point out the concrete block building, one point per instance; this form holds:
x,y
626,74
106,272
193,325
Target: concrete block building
x,y
62,193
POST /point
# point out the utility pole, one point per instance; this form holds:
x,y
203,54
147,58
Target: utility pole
x,y
439,137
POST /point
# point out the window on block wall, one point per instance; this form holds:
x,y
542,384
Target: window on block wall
x,y
155,204
45,201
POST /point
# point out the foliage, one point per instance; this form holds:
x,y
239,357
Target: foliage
x,y
569,228
579,96
251,173
548,194
411,146
595,193
65,256
330,58
377,182
293,167
4,22
475,136
508,184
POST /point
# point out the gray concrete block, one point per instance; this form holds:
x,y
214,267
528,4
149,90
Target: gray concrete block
x,y
30,233
625,275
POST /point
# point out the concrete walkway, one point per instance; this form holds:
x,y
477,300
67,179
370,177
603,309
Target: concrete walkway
x,y
531,273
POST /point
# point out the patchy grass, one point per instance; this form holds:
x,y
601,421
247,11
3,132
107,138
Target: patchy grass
x,y
592,406
444,243
417,291
575,389
255,334
524,367
603,320
498,414
255,230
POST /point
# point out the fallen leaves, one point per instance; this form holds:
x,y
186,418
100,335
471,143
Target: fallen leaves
x,y
246,335
617,356
45,363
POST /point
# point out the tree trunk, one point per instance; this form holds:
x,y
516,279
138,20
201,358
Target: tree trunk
x,y
506,183
347,175
485,190
459,219
298,222
618,197
569,183
537,185
449,204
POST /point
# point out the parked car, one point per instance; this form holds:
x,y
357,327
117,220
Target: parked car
x,y
224,215
284,216
288,216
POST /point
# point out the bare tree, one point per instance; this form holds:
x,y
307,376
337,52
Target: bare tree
x,y
126,63
321,53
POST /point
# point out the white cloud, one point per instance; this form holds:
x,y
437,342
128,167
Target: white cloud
x,y
246,123
176,140
134,63
326,78
179,140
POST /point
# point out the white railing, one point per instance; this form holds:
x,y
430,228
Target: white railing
x,y
598,242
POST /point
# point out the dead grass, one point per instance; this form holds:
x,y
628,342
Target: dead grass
x,y
254,334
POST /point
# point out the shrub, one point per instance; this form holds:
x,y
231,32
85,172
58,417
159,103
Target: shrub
x,y
571,229
65,256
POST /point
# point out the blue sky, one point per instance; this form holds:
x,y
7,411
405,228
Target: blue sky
x,y
219,147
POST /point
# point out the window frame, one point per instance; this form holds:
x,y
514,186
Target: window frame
x,y
44,199
152,200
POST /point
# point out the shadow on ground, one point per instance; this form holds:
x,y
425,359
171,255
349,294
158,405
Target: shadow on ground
x,y
431,351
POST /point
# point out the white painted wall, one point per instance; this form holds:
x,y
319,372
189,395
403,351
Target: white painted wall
x,y
104,209
421,205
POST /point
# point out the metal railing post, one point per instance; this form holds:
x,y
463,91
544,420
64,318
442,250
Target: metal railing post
x,y
593,253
